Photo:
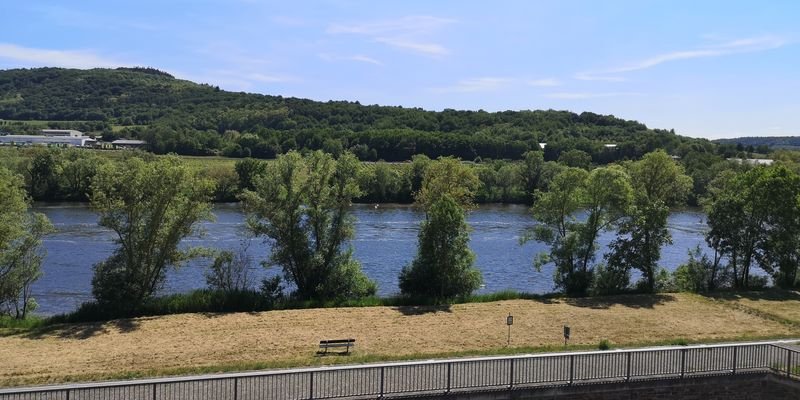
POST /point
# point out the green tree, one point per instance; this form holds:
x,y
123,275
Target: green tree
x,y
531,173
21,253
302,205
443,268
659,183
76,175
576,158
151,207
43,174
248,171
448,176
604,195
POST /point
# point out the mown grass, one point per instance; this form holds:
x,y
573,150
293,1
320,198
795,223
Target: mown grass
x,y
359,359
210,301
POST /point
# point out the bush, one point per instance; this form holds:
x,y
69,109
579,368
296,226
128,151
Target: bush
x,y
758,282
610,280
604,345
230,271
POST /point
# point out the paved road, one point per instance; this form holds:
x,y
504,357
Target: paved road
x,y
436,375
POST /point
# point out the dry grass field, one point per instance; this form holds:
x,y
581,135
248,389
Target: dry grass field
x,y
188,343
778,305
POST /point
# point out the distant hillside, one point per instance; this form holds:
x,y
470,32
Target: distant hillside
x,y
188,118
769,142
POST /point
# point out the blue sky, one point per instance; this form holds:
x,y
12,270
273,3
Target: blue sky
x,y
705,68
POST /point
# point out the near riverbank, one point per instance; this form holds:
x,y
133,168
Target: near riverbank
x,y
192,343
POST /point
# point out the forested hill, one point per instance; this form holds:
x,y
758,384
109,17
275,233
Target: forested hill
x,y
765,142
179,116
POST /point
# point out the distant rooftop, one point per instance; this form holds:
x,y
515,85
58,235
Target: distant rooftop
x,y
752,161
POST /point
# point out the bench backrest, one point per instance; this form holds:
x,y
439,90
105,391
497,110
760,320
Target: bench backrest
x,y
337,341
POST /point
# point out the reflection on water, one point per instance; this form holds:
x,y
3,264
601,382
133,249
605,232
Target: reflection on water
x,y
385,241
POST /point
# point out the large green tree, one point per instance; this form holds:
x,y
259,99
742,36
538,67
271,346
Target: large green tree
x,y
659,183
603,195
151,207
302,205
754,216
21,253
443,268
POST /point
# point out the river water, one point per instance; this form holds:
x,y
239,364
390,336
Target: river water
x,y
385,241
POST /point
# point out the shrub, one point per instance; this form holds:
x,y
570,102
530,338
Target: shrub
x,y
610,280
604,345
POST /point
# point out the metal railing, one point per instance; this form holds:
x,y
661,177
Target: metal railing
x,y
442,376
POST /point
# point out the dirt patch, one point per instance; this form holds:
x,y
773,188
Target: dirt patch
x,y
291,337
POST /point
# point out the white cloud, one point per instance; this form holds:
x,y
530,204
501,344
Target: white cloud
x,y
583,76
479,84
432,49
739,46
259,77
588,95
493,83
548,82
412,33
28,56
362,58
415,24
358,57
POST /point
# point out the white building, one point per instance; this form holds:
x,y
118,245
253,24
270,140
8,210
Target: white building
x,y
56,141
62,133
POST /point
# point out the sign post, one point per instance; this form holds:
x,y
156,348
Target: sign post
x,y
509,322
566,335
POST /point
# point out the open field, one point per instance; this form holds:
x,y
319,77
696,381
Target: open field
x,y
221,342
777,305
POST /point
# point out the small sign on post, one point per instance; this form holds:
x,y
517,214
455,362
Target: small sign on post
x,y
509,322
566,335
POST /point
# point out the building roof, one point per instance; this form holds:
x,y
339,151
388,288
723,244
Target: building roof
x,y
46,139
129,142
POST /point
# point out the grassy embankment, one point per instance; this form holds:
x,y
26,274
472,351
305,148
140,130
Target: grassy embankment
x,y
198,343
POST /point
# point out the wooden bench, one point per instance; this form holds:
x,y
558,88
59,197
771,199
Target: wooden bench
x,y
346,343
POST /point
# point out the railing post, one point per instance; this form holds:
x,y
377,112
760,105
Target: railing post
x,y
683,362
788,363
735,348
571,368
67,394
628,367
236,388
311,386
154,391
382,381
511,374
449,371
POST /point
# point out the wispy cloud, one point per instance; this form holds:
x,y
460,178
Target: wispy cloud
x,y
738,46
493,83
415,24
588,95
74,18
548,82
432,49
484,84
594,76
358,57
28,56
412,33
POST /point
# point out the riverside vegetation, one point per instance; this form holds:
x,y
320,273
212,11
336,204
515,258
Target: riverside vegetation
x,y
300,204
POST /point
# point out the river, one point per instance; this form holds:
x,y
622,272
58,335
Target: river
x,y
385,241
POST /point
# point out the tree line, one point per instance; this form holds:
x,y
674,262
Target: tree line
x,y
301,205
182,117
52,174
